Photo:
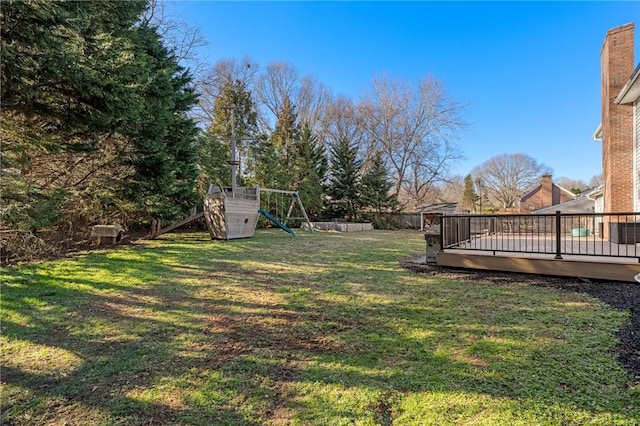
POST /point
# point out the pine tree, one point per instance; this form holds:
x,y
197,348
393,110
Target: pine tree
x,y
213,157
163,137
469,196
214,150
285,139
267,168
94,115
343,192
377,194
276,157
59,94
63,64
310,172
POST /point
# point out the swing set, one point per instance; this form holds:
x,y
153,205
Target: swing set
x,y
274,210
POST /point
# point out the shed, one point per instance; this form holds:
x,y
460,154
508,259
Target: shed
x,y
429,214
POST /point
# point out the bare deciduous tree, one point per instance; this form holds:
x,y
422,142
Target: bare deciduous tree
x,y
507,176
416,129
276,83
211,83
313,98
450,190
281,80
596,181
182,38
576,186
340,122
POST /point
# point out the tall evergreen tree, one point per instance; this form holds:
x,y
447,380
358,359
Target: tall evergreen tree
x,y
162,136
266,164
214,150
276,157
376,189
94,115
63,64
59,97
469,196
343,192
285,138
213,160
310,172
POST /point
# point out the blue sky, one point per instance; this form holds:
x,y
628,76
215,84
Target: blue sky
x,y
528,71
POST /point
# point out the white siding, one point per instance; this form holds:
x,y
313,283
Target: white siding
x,y
599,207
636,155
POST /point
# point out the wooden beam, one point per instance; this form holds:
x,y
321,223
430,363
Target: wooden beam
x,y
611,271
177,224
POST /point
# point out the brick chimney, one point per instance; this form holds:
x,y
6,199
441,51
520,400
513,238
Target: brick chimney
x,y
617,120
546,191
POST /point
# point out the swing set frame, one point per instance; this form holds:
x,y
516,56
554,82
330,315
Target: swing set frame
x,y
295,199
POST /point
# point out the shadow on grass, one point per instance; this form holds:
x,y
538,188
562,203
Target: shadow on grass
x,y
183,331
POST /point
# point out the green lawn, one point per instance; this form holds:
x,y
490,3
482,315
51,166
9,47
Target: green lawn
x,y
322,329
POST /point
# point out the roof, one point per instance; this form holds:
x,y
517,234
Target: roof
x,y
579,205
535,187
439,208
630,93
597,135
595,192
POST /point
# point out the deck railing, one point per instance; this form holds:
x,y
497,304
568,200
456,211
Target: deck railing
x,y
596,234
245,193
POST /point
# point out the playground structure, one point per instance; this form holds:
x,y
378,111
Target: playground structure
x,y
231,215
232,212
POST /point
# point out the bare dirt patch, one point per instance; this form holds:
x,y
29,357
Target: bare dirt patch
x,y
619,295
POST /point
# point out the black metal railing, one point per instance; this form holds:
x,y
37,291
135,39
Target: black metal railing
x,y
596,234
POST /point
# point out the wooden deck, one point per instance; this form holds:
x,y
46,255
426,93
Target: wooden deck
x,y
588,258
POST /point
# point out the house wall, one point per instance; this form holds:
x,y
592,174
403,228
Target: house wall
x,y
560,196
531,202
599,205
636,165
617,120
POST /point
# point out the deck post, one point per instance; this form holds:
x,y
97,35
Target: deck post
x,y
441,236
558,239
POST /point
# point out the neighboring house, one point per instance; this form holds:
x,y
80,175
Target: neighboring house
x,y
545,194
585,203
620,127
